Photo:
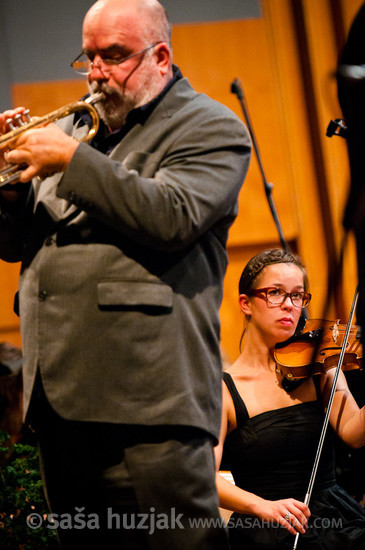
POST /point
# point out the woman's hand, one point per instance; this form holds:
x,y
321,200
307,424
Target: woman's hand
x,y
290,513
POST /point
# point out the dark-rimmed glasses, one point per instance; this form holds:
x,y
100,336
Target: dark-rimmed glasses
x,y
84,65
277,296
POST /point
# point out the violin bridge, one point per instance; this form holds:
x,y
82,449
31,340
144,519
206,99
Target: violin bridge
x,y
335,331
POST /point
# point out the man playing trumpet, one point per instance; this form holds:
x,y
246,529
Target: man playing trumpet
x,y
122,243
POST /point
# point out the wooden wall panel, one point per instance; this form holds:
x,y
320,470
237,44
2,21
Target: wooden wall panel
x,y
9,322
331,155
242,49
300,162
43,97
349,9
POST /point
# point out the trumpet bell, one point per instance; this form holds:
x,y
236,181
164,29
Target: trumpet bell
x,y
11,172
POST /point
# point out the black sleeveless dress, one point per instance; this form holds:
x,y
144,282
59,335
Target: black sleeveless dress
x,y
272,455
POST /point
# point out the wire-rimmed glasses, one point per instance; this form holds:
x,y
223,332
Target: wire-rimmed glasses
x,y
84,65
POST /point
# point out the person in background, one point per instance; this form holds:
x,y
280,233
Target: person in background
x,y
351,96
123,250
269,435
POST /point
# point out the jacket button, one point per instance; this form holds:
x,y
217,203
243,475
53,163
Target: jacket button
x,y
42,295
49,241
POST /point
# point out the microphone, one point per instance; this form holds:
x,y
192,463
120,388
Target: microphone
x,y
352,72
236,88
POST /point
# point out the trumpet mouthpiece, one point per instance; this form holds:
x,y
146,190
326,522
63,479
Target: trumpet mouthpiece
x,y
94,98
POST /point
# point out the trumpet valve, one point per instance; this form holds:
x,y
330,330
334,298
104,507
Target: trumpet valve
x,y
9,123
18,120
23,118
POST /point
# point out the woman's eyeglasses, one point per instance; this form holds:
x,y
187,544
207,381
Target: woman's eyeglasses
x,y
277,296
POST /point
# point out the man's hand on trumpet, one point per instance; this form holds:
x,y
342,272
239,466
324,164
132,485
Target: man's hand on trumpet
x,y
10,113
10,194
44,150
4,126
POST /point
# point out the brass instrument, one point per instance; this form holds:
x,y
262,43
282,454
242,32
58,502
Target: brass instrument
x,y
11,173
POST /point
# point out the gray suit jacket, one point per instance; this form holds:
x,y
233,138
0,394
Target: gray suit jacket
x,y
123,259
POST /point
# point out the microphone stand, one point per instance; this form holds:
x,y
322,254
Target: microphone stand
x,y
236,88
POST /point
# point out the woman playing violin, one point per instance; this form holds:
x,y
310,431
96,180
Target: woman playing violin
x,y
269,436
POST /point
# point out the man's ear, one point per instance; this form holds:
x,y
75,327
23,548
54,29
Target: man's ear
x,y
163,57
245,304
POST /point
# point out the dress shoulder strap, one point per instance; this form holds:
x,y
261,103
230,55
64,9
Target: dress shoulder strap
x,y
316,381
239,405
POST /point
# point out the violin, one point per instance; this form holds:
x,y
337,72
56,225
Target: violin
x,y
318,349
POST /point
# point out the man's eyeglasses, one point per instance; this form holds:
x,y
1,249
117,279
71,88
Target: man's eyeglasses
x,y
84,65
277,296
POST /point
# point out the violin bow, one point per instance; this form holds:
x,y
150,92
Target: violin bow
x,y
236,88
329,406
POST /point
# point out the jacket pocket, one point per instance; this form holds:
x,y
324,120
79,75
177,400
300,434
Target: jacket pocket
x,y
134,294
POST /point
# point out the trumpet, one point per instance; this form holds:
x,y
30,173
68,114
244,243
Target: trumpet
x,y
12,172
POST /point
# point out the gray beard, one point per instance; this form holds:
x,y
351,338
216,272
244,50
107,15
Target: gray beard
x,y
113,110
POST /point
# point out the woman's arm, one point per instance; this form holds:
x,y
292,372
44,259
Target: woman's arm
x,y
233,498
346,418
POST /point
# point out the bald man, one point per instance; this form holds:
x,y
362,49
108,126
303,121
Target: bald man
x,y
123,250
